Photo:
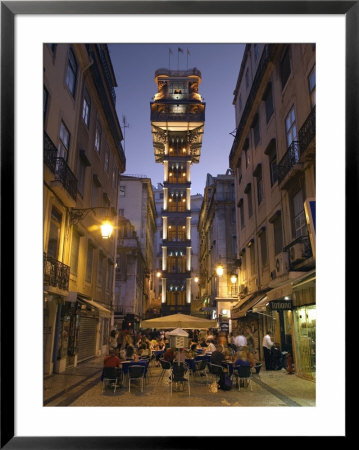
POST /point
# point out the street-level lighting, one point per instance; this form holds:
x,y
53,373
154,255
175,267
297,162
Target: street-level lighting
x,y
196,279
233,278
158,274
219,270
78,214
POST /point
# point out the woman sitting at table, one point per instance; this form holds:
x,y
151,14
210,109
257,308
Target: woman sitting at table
x,y
169,354
192,352
130,352
210,346
250,355
241,359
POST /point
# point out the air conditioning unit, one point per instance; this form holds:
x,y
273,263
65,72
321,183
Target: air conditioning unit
x,y
296,252
281,264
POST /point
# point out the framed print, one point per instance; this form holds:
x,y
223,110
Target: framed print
x,y
28,419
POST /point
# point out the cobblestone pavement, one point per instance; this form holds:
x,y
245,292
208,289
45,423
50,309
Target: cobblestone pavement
x,y
82,386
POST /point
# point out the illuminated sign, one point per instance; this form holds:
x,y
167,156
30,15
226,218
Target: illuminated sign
x,y
281,305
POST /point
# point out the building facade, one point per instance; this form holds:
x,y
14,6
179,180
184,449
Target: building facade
x,y
83,158
273,157
218,247
177,122
135,271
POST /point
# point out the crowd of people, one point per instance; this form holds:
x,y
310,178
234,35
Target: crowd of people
x,y
126,346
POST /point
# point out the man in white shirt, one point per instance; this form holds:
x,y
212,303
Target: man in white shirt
x,y
267,345
240,340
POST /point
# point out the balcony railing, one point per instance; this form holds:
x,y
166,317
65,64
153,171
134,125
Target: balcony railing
x,y
177,117
290,159
56,273
307,132
59,167
302,245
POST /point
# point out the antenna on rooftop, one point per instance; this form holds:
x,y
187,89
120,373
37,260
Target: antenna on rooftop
x,y
125,125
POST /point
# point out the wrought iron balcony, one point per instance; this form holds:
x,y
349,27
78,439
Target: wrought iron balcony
x,y
289,160
299,252
307,132
59,167
177,117
56,273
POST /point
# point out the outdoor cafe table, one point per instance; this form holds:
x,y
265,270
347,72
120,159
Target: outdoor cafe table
x,y
191,363
127,364
205,357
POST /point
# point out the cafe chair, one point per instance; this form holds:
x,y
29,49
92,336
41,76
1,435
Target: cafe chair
x,y
243,373
165,365
112,377
148,359
215,371
180,374
136,372
201,368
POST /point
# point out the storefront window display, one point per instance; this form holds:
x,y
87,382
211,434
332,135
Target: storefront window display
x,y
305,329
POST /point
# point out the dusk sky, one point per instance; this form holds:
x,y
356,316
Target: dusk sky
x,y
135,66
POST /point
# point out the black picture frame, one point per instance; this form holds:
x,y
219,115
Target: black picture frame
x,y
9,10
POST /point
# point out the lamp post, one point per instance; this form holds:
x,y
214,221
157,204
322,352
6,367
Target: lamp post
x,y
78,214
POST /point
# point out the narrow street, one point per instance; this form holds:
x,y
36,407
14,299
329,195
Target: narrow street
x,y
274,388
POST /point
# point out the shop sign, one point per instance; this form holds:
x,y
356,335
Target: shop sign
x,y
281,305
224,326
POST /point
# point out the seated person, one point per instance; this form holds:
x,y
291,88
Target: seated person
x,y
169,354
218,356
250,355
210,346
241,359
203,343
130,352
180,356
153,344
143,350
161,345
112,360
192,352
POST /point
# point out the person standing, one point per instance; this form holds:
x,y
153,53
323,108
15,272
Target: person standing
x,y
267,346
240,340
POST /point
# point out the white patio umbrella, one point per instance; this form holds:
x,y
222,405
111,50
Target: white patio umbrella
x,y
179,321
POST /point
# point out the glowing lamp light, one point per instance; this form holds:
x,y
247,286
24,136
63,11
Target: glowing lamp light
x,y
233,278
219,270
158,274
106,230
196,279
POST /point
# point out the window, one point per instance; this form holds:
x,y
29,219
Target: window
x,y
253,259
94,194
107,160
311,84
89,262
258,174
52,47
98,138
234,244
264,255
278,235
291,127
285,68
45,101
121,212
271,151
54,233
86,109
255,126
247,78
248,191
71,72
64,144
100,269
268,101
81,173
75,245
299,222
122,191
109,276
241,212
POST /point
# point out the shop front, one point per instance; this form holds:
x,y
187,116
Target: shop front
x,y
304,301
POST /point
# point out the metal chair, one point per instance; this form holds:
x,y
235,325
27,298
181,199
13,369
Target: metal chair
x,y
136,372
180,374
111,375
166,365
148,359
243,373
215,371
201,368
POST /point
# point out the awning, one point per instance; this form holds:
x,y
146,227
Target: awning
x,y
237,313
101,308
261,305
286,289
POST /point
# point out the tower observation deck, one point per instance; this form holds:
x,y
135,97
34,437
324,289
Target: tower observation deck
x,y
177,121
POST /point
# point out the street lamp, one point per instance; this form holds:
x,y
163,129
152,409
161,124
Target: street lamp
x,y
233,278
158,274
219,270
196,279
78,214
